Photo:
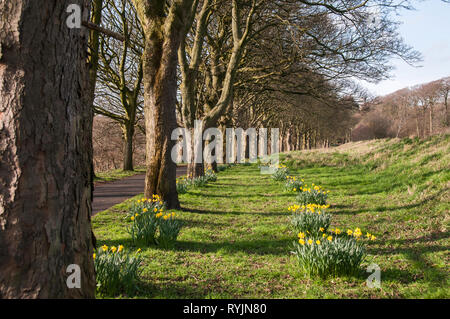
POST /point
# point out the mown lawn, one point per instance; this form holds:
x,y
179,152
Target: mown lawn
x,y
236,241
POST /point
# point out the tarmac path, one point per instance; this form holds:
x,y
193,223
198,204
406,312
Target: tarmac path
x,y
109,194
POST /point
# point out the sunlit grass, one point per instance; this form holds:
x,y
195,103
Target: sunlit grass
x,y
236,239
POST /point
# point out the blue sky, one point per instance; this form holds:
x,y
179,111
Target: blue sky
x,y
427,29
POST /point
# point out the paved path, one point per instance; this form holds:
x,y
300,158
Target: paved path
x,y
109,194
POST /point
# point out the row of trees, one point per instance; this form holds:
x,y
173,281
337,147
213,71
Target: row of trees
x,y
417,111
203,59
281,64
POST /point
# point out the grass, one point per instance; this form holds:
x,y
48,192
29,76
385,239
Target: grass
x,y
236,241
113,175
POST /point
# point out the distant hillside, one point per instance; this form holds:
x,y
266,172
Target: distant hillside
x,y
417,111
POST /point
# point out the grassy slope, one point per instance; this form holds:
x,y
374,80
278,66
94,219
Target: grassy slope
x,y
237,239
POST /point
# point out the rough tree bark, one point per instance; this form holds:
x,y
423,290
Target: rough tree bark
x,y
163,37
45,147
189,70
128,134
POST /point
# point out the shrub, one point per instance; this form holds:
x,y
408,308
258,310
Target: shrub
x,y
280,173
116,271
293,184
169,228
314,195
311,219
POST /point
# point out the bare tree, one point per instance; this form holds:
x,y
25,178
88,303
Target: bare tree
x,y
119,93
161,27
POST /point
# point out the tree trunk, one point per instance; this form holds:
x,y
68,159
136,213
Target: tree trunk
x,y
163,37
447,115
195,169
417,126
431,120
46,152
128,134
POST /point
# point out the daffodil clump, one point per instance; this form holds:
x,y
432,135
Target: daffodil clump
x,y
313,194
210,175
182,185
144,222
183,182
146,205
334,253
151,218
293,184
311,219
169,228
329,256
116,270
280,173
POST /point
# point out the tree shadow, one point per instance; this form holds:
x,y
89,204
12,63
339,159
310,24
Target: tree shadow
x,y
415,253
391,208
272,247
179,288
216,212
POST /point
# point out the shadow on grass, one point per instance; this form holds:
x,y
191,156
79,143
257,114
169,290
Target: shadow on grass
x,y
415,252
386,208
180,288
216,212
286,194
250,247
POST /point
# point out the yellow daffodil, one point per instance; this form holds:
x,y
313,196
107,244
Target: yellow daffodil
x,y
120,248
104,248
113,249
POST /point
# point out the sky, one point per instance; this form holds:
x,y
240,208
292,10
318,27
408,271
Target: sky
x,y
427,29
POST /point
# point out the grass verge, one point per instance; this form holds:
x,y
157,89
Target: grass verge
x,y
237,240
